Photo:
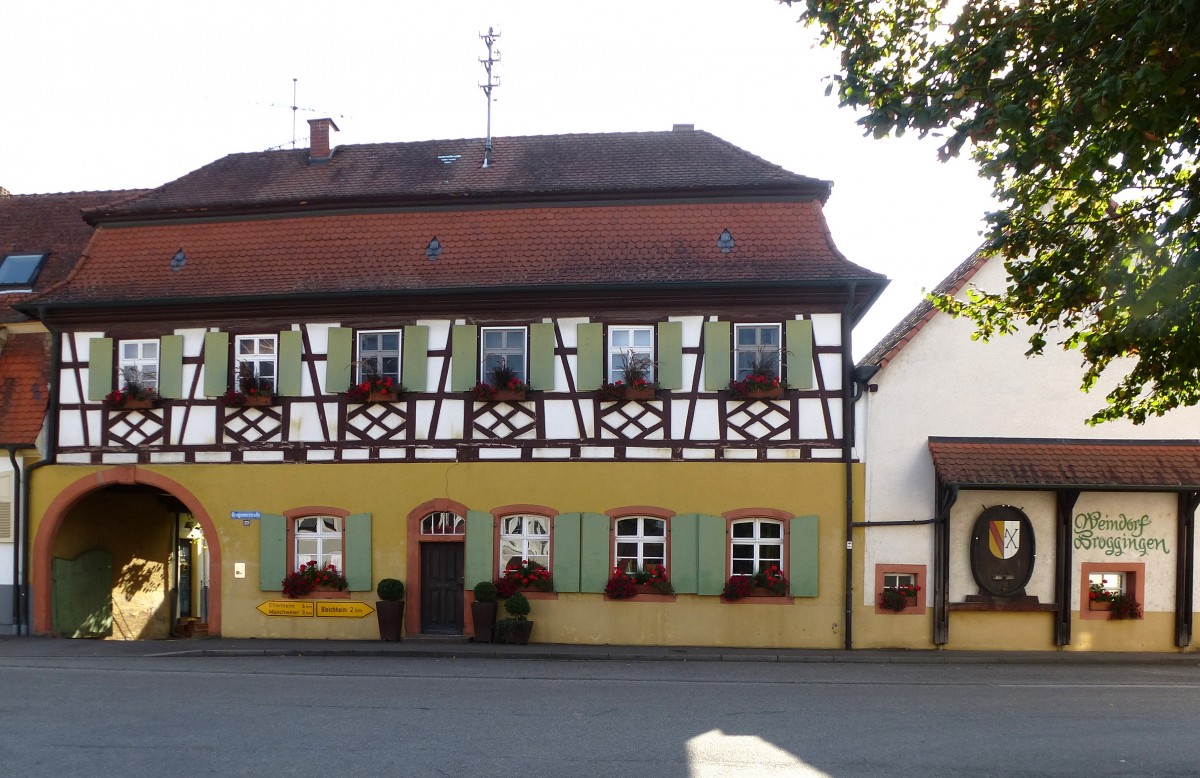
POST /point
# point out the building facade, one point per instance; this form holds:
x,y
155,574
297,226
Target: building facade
x,y
323,331
1021,523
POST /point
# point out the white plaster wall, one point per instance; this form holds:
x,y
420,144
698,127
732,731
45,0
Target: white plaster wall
x,y
944,384
1155,544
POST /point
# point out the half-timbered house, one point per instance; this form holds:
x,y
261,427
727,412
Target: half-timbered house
x,y
316,326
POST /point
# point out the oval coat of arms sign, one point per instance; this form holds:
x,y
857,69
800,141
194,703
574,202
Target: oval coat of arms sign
x,y
1002,551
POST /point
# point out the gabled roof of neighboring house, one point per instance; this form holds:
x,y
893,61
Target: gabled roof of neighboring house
x,y
48,224
595,247
524,168
899,336
24,389
1063,463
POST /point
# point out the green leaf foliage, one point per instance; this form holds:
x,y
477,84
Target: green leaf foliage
x,y
1085,116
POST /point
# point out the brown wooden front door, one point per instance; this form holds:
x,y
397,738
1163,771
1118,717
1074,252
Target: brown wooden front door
x,y
442,588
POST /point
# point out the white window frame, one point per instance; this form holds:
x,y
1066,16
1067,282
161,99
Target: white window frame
x,y
896,580
144,360
617,352
257,357
443,523
379,353
757,542
516,535
1115,582
506,351
324,536
639,538
746,354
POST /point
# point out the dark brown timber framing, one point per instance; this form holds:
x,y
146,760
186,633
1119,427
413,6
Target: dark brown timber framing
x,y
1185,567
946,495
1064,501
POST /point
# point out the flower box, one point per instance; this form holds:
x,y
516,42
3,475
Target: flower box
x,y
256,400
1099,605
132,404
383,396
639,393
762,394
325,593
508,395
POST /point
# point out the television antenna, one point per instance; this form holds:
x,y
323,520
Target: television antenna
x,y
493,57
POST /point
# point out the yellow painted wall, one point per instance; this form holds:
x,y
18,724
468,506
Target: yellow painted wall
x,y
389,491
138,530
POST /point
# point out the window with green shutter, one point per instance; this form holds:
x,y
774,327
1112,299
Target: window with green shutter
x,y
344,543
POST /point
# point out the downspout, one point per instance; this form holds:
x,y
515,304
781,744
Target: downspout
x,y
847,457
16,511
51,445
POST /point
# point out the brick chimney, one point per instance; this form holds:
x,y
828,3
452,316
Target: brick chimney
x,y
319,149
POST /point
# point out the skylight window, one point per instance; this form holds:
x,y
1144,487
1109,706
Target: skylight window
x,y
20,269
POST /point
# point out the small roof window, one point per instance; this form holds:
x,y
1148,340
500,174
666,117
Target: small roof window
x,y
20,269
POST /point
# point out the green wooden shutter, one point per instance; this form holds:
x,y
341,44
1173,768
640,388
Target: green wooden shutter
x,y
685,552
415,360
481,563
272,552
358,552
291,344
100,368
804,553
594,538
799,357
565,568
710,554
216,364
670,355
339,358
541,356
464,357
589,362
716,355
170,366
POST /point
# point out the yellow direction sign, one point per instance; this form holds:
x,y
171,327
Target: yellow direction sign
x,y
288,607
346,609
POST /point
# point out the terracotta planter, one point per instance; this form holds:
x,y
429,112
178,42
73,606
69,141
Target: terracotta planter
x,y
133,404
390,614
763,394
382,396
644,393
483,618
508,395
257,400
1099,605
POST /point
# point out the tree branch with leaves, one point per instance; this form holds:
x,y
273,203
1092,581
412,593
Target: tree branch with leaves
x,y
1085,116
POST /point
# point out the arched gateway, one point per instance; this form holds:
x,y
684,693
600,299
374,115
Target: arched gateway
x,y
161,541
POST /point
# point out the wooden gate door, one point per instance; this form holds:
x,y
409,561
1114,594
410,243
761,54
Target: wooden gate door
x,y
442,588
82,595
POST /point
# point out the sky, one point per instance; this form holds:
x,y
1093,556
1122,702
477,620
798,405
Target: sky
x,y
126,94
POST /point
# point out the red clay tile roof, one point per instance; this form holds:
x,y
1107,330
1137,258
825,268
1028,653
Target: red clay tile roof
x,y
47,224
1041,463
486,248
24,387
523,167
891,344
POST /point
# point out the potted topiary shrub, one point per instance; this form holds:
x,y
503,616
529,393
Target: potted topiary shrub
x,y
518,628
390,609
483,611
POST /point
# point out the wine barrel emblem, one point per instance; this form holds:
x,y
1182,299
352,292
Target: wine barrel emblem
x,y
1002,551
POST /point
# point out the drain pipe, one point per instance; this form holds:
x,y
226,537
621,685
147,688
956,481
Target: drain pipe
x,y
16,512
51,446
847,457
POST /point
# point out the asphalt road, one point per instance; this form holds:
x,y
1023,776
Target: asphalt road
x,y
383,716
